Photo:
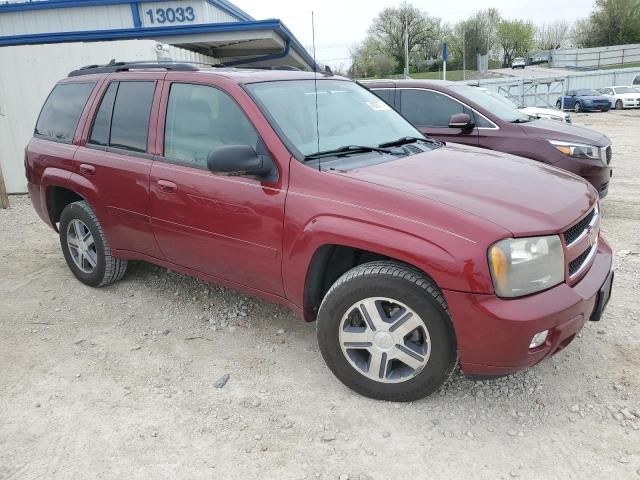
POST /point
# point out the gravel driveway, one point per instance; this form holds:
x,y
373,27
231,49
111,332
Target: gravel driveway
x,y
119,382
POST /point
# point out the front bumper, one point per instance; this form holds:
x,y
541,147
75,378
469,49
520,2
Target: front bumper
x,y
494,334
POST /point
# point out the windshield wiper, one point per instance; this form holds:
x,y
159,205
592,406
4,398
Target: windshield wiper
x,y
520,120
346,150
405,140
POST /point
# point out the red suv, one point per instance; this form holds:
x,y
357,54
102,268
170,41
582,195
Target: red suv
x,y
455,112
313,193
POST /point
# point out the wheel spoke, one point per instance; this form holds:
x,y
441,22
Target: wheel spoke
x,y
405,325
76,230
408,357
90,260
88,239
377,365
371,311
351,339
72,242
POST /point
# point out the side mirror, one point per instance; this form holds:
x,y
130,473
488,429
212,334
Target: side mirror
x,y
461,120
238,160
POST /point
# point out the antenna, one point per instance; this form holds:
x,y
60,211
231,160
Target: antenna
x,y
315,84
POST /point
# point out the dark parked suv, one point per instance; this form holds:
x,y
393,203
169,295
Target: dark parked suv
x,y
410,255
485,121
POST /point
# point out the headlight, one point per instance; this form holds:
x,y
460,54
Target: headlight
x,y
579,150
520,266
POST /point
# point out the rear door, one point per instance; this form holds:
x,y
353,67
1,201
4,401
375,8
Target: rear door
x,y
430,112
229,227
114,160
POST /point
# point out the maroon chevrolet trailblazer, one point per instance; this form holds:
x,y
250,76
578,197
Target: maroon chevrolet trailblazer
x,y
308,190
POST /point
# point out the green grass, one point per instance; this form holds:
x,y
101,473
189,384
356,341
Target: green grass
x,y
626,65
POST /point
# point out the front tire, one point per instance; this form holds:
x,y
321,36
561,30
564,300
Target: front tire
x,y
385,331
85,247
619,105
576,107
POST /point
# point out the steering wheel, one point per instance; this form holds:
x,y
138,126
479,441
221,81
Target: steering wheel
x,y
341,126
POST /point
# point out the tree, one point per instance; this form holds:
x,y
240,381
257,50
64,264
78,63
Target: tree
x,y
476,35
371,60
389,27
612,22
515,37
551,36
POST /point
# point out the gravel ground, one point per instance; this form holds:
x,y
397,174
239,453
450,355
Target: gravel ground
x,y
119,382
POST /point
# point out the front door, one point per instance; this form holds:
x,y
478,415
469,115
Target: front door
x,y
224,226
430,112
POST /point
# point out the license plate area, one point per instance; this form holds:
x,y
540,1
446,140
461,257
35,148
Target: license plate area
x,y
604,294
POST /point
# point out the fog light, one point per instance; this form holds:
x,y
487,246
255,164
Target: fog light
x,y
538,339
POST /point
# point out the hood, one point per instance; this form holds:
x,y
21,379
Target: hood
x,y
630,96
593,97
520,195
552,130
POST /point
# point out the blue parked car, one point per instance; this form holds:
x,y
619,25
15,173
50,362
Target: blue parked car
x,y
584,101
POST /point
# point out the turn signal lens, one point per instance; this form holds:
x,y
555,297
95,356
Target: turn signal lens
x,y
564,149
499,267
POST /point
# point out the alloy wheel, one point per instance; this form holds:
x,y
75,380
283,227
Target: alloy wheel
x,y
82,246
384,340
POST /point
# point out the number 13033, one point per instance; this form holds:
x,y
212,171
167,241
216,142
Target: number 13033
x,y
171,15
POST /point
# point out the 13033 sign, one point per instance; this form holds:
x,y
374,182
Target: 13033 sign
x,y
171,15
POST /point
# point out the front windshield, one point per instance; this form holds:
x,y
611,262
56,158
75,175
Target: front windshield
x,y
348,114
586,93
498,107
620,90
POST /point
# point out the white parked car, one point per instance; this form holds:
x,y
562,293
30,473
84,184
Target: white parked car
x,y
536,112
548,113
622,97
518,62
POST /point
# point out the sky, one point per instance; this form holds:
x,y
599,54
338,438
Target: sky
x,y
340,24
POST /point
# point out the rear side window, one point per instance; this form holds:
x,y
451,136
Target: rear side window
x,y
426,108
130,119
62,110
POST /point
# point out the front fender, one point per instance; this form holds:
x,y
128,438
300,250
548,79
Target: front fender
x,y
456,271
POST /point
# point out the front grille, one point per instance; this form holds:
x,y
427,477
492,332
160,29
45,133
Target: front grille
x,y
609,154
574,232
576,264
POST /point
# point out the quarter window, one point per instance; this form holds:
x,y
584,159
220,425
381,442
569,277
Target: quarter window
x,y
385,94
102,123
200,119
426,108
62,110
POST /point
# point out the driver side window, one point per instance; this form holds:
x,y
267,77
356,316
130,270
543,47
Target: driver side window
x,y
200,119
425,108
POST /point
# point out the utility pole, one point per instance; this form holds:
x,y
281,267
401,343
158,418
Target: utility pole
x,y
4,198
406,48
464,55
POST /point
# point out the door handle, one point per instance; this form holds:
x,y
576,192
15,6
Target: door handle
x,y
87,169
167,186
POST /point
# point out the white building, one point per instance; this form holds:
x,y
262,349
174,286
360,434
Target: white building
x,y
41,41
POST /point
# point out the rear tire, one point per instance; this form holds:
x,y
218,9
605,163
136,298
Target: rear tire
x,y
559,105
577,108
85,247
378,316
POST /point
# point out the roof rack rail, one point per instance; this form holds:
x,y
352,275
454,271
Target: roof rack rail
x,y
114,66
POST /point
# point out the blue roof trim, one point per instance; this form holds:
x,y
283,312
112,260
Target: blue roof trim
x,y
167,31
223,5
